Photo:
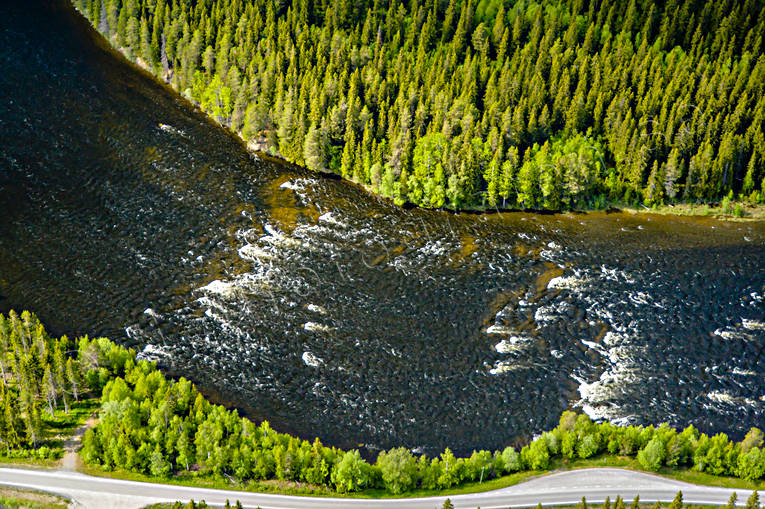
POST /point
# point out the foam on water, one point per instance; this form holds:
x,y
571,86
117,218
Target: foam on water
x,y
170,129
237,257
316,309
316,327
752,324
499,329
731,334
513,343
552,312
225,289
254,253
152,352
329,217
503,367
312,360
566,283
278,239
726,398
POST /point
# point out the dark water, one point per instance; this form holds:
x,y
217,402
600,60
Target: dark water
x,y
306,301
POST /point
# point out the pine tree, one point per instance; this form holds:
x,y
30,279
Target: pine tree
x,y
677,503
531,73
316,147
49,389
731,501
753,502
8,420
73,377
347,160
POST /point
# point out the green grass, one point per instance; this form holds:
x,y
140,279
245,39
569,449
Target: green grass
x,y
694,477
63,426
473,487
292,488
37,463
13,498
663,505
599,461
195,480
681,474
557,465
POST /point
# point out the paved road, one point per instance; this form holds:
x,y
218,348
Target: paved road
x,y
556,489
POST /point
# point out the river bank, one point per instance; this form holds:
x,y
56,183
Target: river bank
x,y
313,304
725,209
158,429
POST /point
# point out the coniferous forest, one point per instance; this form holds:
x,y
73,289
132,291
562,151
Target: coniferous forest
x,y
476,103
44,381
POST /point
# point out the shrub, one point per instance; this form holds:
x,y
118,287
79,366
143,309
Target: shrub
x,y
399,469
588,446
751,465
652,455
511,460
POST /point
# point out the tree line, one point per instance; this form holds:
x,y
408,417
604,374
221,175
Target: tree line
x,y
476,103
153,425
150,424
40,377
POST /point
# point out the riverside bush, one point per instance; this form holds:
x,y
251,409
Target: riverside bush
x,y
154,425
163,427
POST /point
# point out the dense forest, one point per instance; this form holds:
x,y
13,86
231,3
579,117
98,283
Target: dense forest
x,y
41,379
476,103
150,424
153,425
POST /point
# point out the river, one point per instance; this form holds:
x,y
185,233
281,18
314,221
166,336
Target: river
x,y
306,301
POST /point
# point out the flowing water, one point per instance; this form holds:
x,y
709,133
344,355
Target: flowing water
x,y
332,313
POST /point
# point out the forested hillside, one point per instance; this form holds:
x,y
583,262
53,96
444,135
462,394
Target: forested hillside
x,y
544,105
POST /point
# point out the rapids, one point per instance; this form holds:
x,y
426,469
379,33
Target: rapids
x,y
306,301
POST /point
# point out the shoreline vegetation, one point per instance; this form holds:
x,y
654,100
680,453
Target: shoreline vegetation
x,y
465,104
153,428
724,210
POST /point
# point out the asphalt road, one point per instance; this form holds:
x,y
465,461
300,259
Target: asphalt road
x,y
555,489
